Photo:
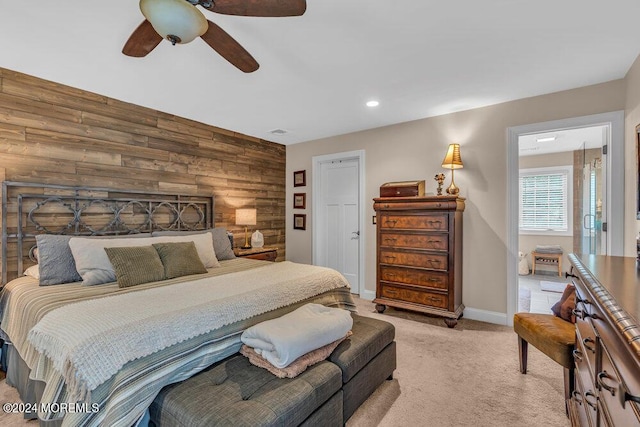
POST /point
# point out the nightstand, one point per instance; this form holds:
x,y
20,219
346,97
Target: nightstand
x,y
265,253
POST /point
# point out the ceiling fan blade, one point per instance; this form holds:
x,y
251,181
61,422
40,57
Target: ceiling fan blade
x,y
229,48
142,41
265,8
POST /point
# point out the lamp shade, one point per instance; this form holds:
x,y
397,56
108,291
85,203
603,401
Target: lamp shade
x,y
175,20
245,216
452,160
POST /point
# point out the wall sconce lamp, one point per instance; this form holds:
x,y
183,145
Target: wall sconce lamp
x,y
246,217
453,161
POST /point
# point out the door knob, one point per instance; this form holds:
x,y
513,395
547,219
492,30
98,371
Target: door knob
x,y
357,235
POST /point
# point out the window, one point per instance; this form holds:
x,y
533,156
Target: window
x,y
545,201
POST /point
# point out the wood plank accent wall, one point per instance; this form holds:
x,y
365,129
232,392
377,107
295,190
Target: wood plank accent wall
x,y
56,134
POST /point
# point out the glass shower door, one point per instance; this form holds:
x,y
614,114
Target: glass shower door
x,y
590,203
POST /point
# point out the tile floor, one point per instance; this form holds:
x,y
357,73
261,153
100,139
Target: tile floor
x,y
541,301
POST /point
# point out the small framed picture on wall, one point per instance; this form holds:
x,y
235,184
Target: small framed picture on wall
x,y
299,200
299,222
300,178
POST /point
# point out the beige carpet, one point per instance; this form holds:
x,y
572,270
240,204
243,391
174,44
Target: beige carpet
x,y
467,376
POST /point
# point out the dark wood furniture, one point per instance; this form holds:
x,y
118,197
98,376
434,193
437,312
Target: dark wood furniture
x,y
607,355
419,255
265,253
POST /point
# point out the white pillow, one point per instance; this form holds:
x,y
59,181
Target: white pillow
x,y
33,271
95,268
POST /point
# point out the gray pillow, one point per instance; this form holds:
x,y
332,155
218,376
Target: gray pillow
x,y
221,242
135,265
55,260
179,259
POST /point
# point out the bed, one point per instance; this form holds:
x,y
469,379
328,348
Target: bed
x,y
98,355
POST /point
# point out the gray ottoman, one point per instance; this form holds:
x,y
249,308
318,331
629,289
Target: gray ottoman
x,y
236,393
366,359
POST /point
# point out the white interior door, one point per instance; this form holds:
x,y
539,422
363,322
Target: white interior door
x,y
338,218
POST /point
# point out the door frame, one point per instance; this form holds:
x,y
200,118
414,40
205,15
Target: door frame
x,y
316,203
615,180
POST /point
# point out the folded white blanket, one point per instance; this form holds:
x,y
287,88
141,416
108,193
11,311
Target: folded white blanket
x,y
283,340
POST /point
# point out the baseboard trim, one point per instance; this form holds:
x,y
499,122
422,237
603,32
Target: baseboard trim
x,y
469,312
485,316
368,295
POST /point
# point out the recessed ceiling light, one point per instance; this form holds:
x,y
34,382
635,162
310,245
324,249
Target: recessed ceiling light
x,y
546,139
373,104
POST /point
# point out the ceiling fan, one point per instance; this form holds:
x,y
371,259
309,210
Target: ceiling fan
x,y
179,21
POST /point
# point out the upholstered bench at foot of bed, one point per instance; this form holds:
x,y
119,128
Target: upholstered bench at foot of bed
x,y
236,393
366,360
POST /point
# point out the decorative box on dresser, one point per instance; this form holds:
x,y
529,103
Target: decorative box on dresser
x,y
607,355
419,255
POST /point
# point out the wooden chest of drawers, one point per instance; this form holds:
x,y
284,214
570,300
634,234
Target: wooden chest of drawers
x,y
419,255
607,355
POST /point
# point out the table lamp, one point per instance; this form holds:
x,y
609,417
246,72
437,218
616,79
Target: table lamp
x,y
453,161
246,217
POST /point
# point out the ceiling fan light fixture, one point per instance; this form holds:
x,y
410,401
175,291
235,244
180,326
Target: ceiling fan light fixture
x,y
175,20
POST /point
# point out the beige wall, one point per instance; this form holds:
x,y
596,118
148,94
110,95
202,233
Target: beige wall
x,y
414,150
632,119
527,242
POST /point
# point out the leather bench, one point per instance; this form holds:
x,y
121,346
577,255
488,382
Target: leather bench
x,y
235,393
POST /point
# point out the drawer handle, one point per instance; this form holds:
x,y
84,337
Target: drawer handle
x,y
391,274
583,301
586,400
576,395
581,314
586,343
433,261
391,221
577,355
434,279
390,239
390,256
601,377
434,299
431,222
630,397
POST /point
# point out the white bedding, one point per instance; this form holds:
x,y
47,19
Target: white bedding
x,y
281,341
124,397
81,349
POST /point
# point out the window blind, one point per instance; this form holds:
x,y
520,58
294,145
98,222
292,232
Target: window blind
x,y
544,201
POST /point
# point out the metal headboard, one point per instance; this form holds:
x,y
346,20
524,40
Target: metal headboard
x,y
29,209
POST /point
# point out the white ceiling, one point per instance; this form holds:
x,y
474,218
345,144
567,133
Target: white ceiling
x,y
564,140
419,58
